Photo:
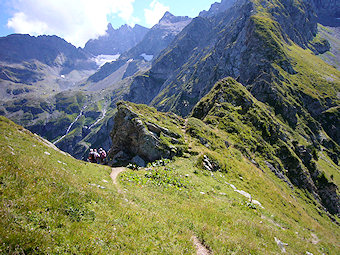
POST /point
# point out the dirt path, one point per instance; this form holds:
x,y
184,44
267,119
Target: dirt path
x,y
115,172
184,130
200,248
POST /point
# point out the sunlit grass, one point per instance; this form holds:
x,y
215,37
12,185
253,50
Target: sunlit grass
x,y
54,204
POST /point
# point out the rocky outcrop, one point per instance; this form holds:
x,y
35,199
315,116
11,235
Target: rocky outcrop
x,y
134,139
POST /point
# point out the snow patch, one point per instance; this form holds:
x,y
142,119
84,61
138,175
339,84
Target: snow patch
x,y
147,57
102,59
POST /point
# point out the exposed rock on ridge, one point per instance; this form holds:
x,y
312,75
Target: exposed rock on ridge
x,y
217,8
132,136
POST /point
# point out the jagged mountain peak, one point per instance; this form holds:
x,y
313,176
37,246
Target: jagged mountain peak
x,y
125,27
167,15
218,8
116,41
109,27
155,40
169,19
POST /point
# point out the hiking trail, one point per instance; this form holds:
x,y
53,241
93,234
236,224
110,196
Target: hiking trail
x,y
184,130
115,172
200,248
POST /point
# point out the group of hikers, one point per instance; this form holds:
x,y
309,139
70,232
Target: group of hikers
x,y
98,157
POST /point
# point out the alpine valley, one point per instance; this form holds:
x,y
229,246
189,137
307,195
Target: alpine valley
x,y
230,122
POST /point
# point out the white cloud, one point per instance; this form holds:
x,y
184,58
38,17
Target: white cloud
x,y
21,24
74,20
155,13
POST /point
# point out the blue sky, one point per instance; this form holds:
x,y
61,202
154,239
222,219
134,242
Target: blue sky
x,y
80,20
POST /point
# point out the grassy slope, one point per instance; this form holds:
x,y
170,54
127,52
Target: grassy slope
x,y
312,76
220,217
50,207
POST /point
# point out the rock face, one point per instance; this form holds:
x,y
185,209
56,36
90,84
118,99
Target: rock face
x,y
217,8
116,41
134,139
159,36
328,12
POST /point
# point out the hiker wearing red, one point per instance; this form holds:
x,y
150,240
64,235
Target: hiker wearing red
x,y
102,154
92,157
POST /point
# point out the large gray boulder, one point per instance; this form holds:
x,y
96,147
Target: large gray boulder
x,y
133,136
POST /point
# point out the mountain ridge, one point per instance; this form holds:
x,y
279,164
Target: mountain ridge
x,y
116,41
49,50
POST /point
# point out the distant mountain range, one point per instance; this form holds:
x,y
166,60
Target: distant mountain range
x,y
155,40
49,50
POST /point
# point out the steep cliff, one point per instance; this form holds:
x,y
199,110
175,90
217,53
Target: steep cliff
x,y
328,12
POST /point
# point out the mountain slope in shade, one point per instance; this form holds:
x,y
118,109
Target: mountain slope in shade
x,y
116,41
217,8
49,50
328,12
